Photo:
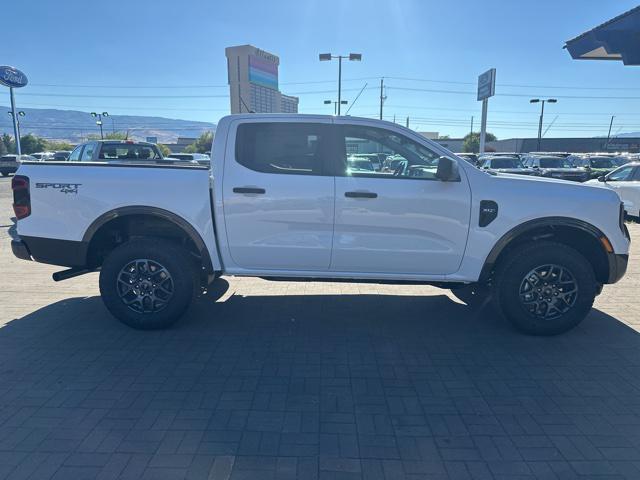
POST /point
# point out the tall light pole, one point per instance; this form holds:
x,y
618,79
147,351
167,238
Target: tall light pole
x,y
335,104
537,100
99,121
353,57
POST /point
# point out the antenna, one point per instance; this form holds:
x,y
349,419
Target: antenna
x,y
245,105
356,99
549,126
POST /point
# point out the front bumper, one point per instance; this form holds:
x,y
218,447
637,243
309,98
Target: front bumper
x,y
617,266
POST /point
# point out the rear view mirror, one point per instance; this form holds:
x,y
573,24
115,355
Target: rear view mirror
x,y
447,170
602,178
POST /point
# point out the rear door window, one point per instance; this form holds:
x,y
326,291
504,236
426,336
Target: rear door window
x,y
75,155
282,148
87,153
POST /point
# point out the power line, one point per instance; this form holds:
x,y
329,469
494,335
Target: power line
x,y
138,86
527,95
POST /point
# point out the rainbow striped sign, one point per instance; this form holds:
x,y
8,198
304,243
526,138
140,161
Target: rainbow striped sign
x,y
262,72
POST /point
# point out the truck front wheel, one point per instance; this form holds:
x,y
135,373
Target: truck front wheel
x,y
545,288
147,283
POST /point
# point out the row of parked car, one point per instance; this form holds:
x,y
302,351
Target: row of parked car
x,y
566,166
619,172
104,150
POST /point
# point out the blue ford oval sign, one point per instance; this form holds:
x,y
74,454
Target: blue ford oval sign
x,y
12,77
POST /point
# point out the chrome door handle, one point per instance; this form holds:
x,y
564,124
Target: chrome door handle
x,y
360,195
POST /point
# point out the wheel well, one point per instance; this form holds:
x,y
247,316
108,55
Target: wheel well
x,y
123,228
573,236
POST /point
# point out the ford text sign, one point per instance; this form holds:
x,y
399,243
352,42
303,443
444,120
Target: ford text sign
x,y
12,77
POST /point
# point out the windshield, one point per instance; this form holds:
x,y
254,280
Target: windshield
x,y
504,163
129,151
554,162
602,162
360,164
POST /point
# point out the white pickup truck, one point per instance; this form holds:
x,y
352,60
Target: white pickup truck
x,y
283,198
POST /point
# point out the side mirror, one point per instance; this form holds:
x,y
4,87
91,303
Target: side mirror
x,y
447,170
536,167
602,178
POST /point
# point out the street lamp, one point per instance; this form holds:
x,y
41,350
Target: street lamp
x,y
335,104
353,57
537,100
99,121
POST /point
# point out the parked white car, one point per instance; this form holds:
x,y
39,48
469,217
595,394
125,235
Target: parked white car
x,y
280,200
625,181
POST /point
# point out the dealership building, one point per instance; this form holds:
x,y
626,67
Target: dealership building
x,y
253,82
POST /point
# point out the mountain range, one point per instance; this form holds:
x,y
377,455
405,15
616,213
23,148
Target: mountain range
x,y
74,126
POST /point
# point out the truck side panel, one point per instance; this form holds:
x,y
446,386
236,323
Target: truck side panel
x,y
67,199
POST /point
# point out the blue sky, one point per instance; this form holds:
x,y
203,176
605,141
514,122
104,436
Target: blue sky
x,y
129,51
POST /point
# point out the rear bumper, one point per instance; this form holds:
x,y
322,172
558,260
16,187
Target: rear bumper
x,y
65,253
20,250
617,266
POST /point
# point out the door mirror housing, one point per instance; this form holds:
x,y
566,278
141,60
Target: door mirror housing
x,y
447,170
602,178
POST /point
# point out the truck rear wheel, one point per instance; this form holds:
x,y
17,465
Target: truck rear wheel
x,y
545,288
147,283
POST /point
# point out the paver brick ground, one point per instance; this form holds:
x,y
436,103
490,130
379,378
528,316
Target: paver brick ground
x,y
311,381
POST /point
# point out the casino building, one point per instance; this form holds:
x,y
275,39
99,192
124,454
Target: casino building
x,y
253,82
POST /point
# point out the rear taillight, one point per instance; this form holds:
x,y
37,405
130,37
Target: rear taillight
x,y
21,196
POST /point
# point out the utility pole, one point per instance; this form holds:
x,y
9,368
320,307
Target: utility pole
x,y
339,82
537,100
471,131
382,98
609,134
407,122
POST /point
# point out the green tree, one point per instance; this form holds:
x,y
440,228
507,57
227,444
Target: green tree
x,y
3,149
202,144
471,142
119,135
8,142
30,144
55,145
166,152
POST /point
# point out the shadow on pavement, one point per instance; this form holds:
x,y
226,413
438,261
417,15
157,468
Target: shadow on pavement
x,y
382,369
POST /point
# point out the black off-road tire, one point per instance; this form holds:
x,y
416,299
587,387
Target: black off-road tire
x,y
180,281
514,293
474,295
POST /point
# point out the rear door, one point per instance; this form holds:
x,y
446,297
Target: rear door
x,y
278,195
401,219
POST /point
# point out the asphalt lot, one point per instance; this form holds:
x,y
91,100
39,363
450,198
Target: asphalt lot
x,y
312,380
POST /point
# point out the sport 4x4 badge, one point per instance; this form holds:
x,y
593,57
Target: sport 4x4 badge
x,y
62,187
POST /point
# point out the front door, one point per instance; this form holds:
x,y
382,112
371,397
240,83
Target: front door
x,y
396,218
278,197
626,182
